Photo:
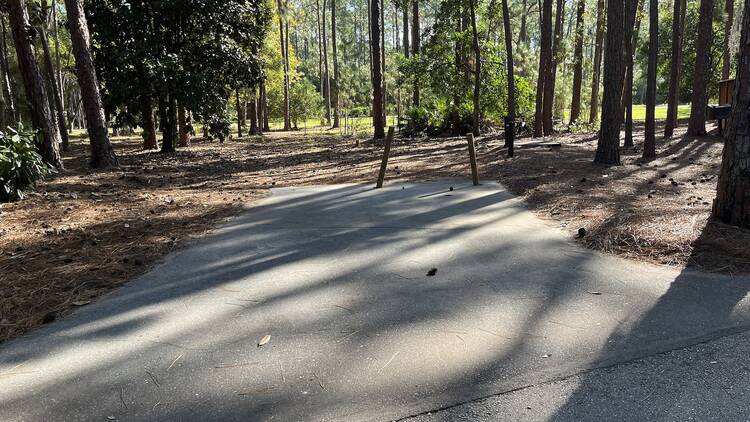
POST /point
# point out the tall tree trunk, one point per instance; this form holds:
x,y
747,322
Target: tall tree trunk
x,y
608,146
57,105
701,73
168,122
183,120
458,62
285,64
732,203
649,143
377,70
406,28
58,66
634,23
545,64
551,74
523,35
477,69
252,112
416,41
675,69
596,80
102,154
511,118
240,117
726,68
320,52
575,107
335,93
264,105
149,125
383,64
327,82
41,116
7,84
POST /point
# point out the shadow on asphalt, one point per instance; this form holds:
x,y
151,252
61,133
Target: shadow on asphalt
x,y
358,331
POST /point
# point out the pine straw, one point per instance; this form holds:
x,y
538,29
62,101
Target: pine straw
x,y
84,234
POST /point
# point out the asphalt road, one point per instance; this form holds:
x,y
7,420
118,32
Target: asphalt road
x,y
337,277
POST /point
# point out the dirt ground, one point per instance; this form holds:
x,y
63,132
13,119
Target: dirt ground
x,y
82,234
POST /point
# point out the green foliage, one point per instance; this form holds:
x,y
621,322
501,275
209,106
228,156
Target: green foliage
x,y
198,51
423,119
20,165
304,102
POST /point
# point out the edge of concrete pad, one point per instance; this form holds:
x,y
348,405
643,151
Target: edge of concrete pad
x,y
551,376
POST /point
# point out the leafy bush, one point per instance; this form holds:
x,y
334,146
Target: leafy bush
x,y
20,165
423,119
359,111
304,102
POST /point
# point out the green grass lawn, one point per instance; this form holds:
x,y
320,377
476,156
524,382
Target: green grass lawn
x,y
639,112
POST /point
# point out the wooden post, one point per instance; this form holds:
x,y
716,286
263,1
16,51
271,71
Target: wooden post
x,y
473,159
386,153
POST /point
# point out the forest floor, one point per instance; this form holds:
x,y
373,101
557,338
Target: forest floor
x,y
82,234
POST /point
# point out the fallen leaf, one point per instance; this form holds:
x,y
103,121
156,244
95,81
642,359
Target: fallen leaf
x,y
81,303
264,340
432,272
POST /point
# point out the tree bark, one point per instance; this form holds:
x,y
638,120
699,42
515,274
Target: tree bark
x,y
596,80
649,143
406,28
149,125
545,63
415,46
732,203
321,76
608,146
335,93
511,118
183,121
377,70
56,105
548,102
285,64
102,154
383,64
634,23
327,81
726,68
41,116
675,69
7,85
701,73
523,35
264,105
575,107
58,66
168,122
252,112
240,117
477,69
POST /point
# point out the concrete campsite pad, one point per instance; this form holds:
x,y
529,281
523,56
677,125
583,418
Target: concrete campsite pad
x,y
336,276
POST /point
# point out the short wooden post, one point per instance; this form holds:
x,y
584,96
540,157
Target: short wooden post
x,y
386,154
473,159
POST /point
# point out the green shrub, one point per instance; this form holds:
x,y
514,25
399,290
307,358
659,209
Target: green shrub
x,y
423,119
20,165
